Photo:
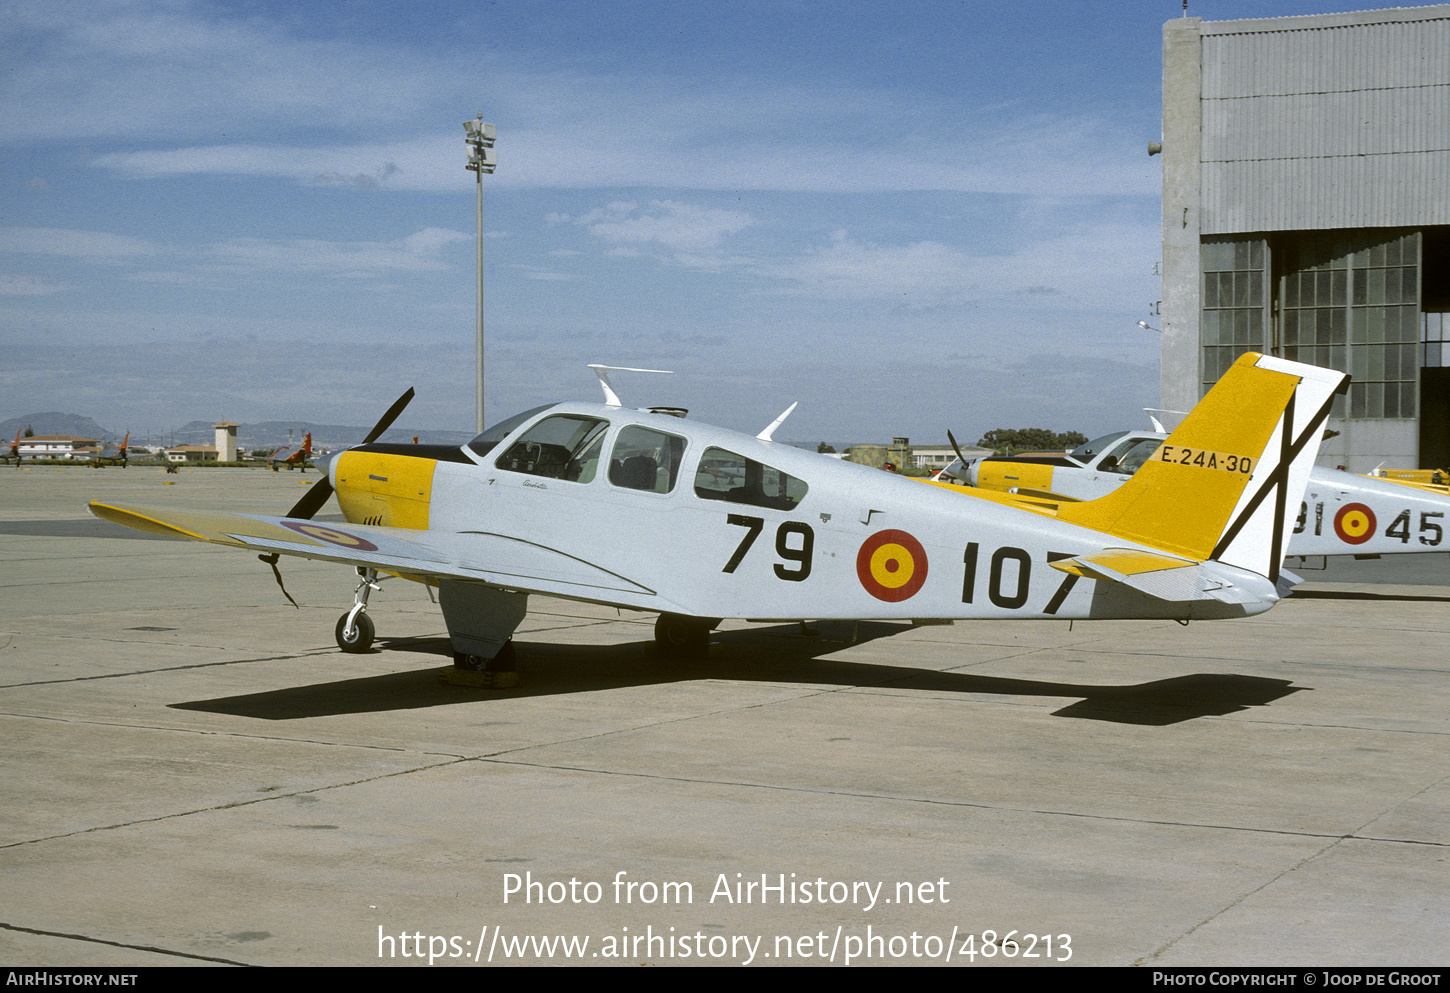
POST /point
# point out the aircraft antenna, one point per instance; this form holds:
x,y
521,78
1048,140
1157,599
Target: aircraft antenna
x,y
765,435
611,399
1168,415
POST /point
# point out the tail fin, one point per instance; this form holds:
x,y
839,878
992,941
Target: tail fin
x,y
1224,484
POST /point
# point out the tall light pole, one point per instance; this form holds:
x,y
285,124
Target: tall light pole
x,y
481,159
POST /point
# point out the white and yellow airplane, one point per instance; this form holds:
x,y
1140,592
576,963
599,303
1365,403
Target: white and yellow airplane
x,y
644,510
1341,513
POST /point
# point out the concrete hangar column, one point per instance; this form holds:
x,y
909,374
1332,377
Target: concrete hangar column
x,y
1306,213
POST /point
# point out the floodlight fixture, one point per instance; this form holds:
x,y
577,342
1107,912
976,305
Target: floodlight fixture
x,y
479,131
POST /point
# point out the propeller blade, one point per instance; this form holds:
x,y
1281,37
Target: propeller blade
x,y
955,447
386,421
313,500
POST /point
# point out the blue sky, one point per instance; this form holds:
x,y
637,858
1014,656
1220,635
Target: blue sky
x,y
909,217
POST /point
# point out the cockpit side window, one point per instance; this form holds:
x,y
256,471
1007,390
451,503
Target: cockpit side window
x,y
726,476
565,446
646,459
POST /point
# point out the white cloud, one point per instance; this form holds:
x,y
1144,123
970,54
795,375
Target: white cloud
x,y
847,269
1099,266
430,241
419,164
679,227
166,69
416,253
172,88
93,246
548,275
27,286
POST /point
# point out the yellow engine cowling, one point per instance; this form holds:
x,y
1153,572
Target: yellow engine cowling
x,y
1003,474
388,490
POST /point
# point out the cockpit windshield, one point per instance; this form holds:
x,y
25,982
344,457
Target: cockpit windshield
x,y
1141,453
1083,454
1129,456
487,441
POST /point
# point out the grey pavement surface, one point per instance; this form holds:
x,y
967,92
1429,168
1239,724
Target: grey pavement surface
x,y
194,774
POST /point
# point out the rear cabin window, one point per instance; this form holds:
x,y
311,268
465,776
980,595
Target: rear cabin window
x,y
565,446
733,478
645,459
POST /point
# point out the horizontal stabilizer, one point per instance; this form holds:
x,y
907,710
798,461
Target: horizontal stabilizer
x,y
1165,577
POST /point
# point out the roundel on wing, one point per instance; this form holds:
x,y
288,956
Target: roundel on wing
x,y
891,565
1354,524
332,536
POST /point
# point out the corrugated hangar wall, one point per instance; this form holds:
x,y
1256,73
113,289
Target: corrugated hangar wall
x,y
1315,125
1304,144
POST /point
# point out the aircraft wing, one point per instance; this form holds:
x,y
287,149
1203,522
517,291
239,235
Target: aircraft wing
x,y
475,556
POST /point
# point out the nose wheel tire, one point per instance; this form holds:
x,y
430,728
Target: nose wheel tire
x,y
362,634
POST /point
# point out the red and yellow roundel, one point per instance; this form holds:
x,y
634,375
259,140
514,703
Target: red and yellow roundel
x,y
891,565
332,536
1354,524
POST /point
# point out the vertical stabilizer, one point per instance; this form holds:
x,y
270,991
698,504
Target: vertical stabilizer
x,y
1227,482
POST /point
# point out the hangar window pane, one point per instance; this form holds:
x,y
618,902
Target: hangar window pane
x,y
1385,302
1348,299
1234,298
1435,338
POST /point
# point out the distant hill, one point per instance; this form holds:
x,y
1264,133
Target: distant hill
x,y
268,434
54,422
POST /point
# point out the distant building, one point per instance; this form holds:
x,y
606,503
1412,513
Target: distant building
x,y
58,446
934,459
1306,214
226,441
898,453
192,453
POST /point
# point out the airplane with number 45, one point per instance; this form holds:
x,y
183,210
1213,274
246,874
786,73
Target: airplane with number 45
x,y
642,509
1341,513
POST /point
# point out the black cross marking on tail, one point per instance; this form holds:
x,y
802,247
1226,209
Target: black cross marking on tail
x,y
1277,482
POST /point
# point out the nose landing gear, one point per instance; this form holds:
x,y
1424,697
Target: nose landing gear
x,y
355,629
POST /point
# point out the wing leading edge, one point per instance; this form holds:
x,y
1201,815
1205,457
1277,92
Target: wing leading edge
x,y
481,557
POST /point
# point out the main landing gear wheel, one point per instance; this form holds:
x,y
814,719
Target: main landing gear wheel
x,y
499,673
361,634
505,661
683,637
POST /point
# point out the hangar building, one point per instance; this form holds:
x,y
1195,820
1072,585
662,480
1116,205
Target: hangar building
x,y
1306,213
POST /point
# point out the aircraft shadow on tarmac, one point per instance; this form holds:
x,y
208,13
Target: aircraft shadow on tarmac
x,y
779,654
